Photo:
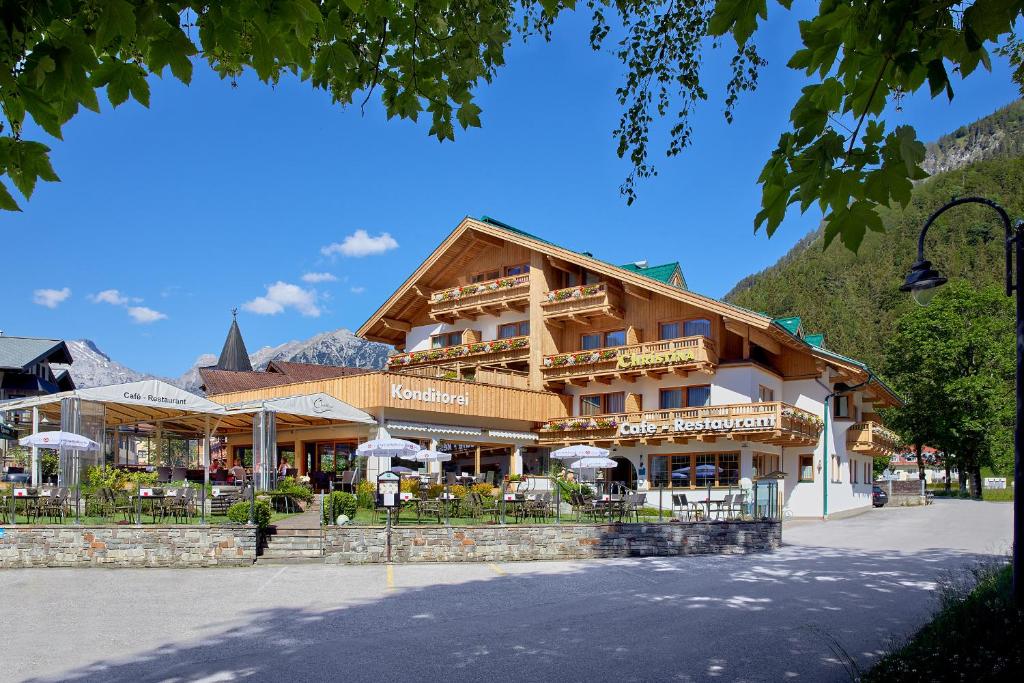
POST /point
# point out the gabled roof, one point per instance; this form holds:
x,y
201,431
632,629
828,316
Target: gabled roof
x,y
20,353
234,355
217,381
791,324
669,273
302,372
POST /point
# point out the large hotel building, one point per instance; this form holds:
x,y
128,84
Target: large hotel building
x,y
509,346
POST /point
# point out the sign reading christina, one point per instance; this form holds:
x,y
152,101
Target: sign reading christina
x,y
705,425
428,395
136,396
641,360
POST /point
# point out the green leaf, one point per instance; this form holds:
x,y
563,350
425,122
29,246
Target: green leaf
x,y
468,115
7,202
28,161
122,79
355,5
116,19
911,150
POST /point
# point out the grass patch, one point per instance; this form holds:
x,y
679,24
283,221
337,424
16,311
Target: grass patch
x,y
977,635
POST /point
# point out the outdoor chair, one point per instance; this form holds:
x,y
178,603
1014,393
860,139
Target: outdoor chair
x,y
122,504
680,506
632,505
348,481
489,477
55,506
494,509
182,504
449,479
579,505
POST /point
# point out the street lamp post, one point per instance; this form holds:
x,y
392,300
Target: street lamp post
x,y
923,280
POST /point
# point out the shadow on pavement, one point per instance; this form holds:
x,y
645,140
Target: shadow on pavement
x,y
755,617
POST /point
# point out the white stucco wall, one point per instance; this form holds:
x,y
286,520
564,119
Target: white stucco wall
x,y
418,338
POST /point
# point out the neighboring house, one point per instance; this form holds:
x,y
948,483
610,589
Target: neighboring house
x,y
903,466
510,346
25,367
25,371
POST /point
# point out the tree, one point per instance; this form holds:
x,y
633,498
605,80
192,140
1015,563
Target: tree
x,y
955,359
859,56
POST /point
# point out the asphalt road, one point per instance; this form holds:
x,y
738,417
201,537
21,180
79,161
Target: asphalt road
x,y
846,586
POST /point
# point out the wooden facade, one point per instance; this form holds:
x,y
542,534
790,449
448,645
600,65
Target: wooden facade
x,y
871,438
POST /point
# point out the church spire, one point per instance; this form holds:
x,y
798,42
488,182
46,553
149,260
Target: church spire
x,y
234,355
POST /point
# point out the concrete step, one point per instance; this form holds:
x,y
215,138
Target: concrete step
x,y
274,532
292,552
262,560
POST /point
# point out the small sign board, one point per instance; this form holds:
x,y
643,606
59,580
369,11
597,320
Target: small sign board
x,y
8,432
389,489
994,482
146,493
20,493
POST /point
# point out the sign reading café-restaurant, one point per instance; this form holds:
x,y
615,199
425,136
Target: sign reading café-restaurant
x,y
705,425
399,392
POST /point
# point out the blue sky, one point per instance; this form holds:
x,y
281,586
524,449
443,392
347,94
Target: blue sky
x,y
213,195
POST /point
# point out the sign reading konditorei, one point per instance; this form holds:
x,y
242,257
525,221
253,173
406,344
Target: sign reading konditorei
x,y
705,425
428,395
642,360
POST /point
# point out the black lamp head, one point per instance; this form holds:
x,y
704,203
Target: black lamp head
x,y
922,281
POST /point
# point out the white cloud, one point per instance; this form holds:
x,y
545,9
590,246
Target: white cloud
x,y
360,243
109,296
51,298
282,295
319,277
144,316
357,290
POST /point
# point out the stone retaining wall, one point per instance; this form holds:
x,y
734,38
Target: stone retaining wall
x,y
127,546
360,545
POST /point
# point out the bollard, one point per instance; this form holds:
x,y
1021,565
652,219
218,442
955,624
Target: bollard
x,y
447,501
330,497
138,501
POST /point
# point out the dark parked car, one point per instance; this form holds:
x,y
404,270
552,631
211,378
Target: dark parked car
x,y
878,496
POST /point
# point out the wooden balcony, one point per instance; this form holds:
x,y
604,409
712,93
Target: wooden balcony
x,y
496,352
771,422
481,298
583,303
652,359
496,377
871,438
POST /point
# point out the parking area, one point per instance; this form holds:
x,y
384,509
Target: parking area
x,y
837,589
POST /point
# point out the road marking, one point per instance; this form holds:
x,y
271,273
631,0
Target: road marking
x,y
390,577
271,580
496,569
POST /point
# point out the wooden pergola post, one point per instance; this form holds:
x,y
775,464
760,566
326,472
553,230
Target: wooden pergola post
x,y
476,461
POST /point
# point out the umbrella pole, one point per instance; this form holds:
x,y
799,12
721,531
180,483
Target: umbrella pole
x,y
78,489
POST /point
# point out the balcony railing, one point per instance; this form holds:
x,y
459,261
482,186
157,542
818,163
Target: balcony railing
x,y
584,302
683,355
479,298
496,351
771,422
872,439
499,377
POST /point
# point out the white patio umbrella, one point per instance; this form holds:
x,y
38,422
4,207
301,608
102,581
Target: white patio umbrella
x,y
385,446
432,456
593,464
579,451
57,440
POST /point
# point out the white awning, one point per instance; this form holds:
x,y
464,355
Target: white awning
x,y
152,393
319,406
519,436
435,429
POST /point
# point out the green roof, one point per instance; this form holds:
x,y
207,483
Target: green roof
x,y
662,273
791,324
817,340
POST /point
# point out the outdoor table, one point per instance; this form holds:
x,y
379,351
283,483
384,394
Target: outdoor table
x,y
517,502
32,500
152,498
465,479
605,507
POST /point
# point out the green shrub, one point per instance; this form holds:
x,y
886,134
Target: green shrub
x,y
410,486
339,503
288,486
366,492
458,490
482,489
569,487
239,513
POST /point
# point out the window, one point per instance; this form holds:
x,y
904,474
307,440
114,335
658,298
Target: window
x,y
806,468
765,463
835,474
867,473
853,471
765,394
698,396
509,330
591,278
668,330
517,269
601,340
670,399
446,339
600,404
841,407
484,276
700,327
696,470
590,341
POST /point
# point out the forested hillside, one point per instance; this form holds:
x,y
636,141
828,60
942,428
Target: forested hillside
x,y
854,299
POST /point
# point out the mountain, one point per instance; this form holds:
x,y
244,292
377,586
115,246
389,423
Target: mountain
x,y
340,348
854,298
93,368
